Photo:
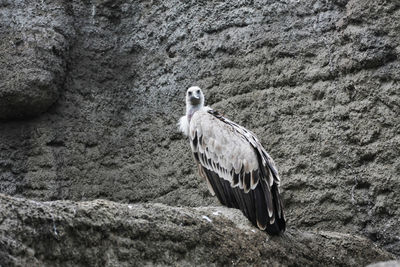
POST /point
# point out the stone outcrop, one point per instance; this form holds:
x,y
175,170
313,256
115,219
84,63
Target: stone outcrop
x,y
35,37
104,233
385,264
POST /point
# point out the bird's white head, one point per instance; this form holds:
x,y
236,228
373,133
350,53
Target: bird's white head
x,y
194,99
194,102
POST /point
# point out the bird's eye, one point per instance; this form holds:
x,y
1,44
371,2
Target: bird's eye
x,y
190,93
198,91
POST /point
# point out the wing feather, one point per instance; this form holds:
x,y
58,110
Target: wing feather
x,y
204,175
237,169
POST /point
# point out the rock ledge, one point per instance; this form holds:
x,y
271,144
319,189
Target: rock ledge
x,y
105,233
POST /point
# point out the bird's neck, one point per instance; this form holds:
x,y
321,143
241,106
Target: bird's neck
x,y
190,110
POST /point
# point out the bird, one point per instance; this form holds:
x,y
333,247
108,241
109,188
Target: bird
x,y
234,164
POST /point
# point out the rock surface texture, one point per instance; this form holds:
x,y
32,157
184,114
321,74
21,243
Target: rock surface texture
x,y
104,233
385,264
90,93
34,38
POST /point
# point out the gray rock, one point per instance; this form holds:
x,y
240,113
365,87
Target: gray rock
x,y
104,233
385,264
34,37
317,81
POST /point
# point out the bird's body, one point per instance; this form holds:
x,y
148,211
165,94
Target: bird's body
x,y
234,164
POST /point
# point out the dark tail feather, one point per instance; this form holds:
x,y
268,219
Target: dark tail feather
x,y
261,208
253,204
274,228
279,217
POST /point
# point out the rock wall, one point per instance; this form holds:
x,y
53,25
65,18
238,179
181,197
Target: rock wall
x,y
317,81
34,40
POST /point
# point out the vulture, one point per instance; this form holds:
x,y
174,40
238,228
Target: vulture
x,y
236,167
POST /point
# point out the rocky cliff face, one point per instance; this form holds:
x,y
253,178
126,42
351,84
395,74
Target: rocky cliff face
x,y
91,92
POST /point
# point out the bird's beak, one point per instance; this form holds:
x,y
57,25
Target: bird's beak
x,y
195,99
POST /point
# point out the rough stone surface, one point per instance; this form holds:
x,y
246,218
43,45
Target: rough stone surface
x,y
34,37
104,233
385,264
317,81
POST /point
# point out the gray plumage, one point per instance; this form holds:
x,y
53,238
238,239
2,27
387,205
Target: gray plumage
x,y
234,164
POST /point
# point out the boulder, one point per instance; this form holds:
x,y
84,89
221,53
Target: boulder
x,y
34,38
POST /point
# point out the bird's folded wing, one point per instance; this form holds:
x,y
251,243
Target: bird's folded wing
x,y
237,168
